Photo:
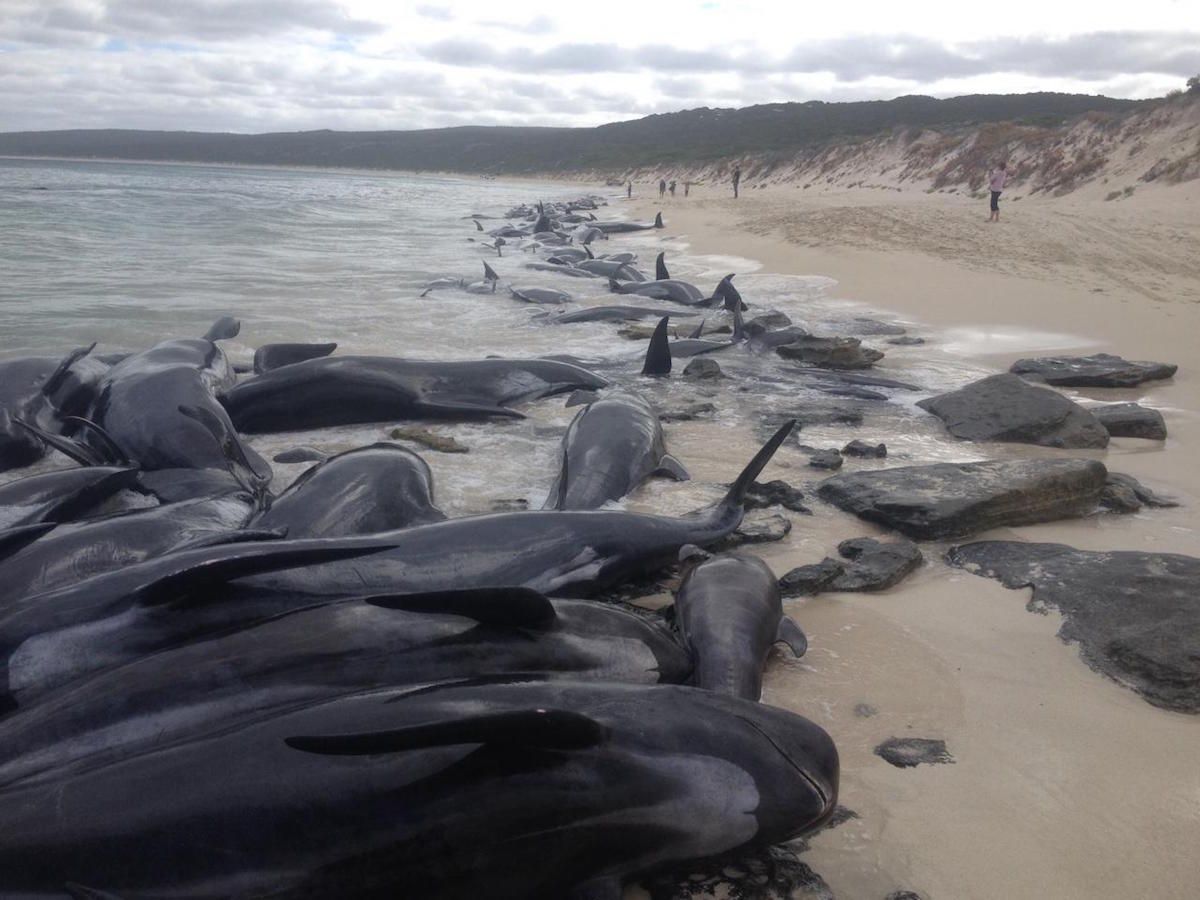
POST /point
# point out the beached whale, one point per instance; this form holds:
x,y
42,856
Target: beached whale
x,y
616,314
346,390
730,614
668,289
318,653
381,487
626,227
611,447
539,295
533,790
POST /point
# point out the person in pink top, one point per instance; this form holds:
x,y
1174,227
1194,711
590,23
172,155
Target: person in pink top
x,y
996,181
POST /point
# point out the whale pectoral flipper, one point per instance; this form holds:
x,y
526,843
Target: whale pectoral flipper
x,y
54,382
516,607
790,633
237,536
68,447
670,467
553,729
451,405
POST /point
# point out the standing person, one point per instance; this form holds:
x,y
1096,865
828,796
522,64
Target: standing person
x,y
737,177
997,178
629,190
671,188
662,187
687,186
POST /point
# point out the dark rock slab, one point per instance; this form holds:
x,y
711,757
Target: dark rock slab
x,y
864,325
767,873
702,369
830,352
776,493
947,500
828,458
1131,420
863,450
867,379
1007,408
768,320
1099,370
905,753
1135,615
810,580
758,527
907,341
875,565
1144,495
688,413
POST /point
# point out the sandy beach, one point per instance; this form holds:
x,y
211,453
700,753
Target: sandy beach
x,y
1065,784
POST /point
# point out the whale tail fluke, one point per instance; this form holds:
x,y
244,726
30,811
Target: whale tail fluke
x,y
658,354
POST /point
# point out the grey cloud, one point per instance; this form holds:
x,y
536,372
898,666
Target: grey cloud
x,y
441,13
1088,56
537,25
71,22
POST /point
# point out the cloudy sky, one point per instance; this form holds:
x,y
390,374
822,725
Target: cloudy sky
x,y
283,65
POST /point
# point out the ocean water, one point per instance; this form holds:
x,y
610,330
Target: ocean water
x,y
127,254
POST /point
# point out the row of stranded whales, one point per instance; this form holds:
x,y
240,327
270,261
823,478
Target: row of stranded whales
x,y
336,690
51,638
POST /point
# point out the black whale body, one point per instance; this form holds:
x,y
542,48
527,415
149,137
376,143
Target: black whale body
x,y
529,790
347,390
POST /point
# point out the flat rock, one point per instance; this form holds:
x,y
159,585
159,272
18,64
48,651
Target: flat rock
x,y
701,368
758,527
828,458
864,325
875,565
766,873
768,320
1131,420
830,352
863,450
905,753
1099,370
907,341
947,500
1144,495
427,438
810,580
1006,408
687,413
775,493
1135,615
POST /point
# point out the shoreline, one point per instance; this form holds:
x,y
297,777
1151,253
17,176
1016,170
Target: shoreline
x,y
1065,784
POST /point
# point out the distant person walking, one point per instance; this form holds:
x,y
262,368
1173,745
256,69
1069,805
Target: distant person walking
x,y
737,177
629,190
687,186
671,188
662,188
997,178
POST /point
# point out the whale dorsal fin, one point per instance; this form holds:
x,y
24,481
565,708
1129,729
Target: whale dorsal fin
x,y
699,330
658,354
516,606
223,329
489,274
660,267
54,382
555,729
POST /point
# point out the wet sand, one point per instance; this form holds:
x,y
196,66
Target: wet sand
x,y
1065,784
